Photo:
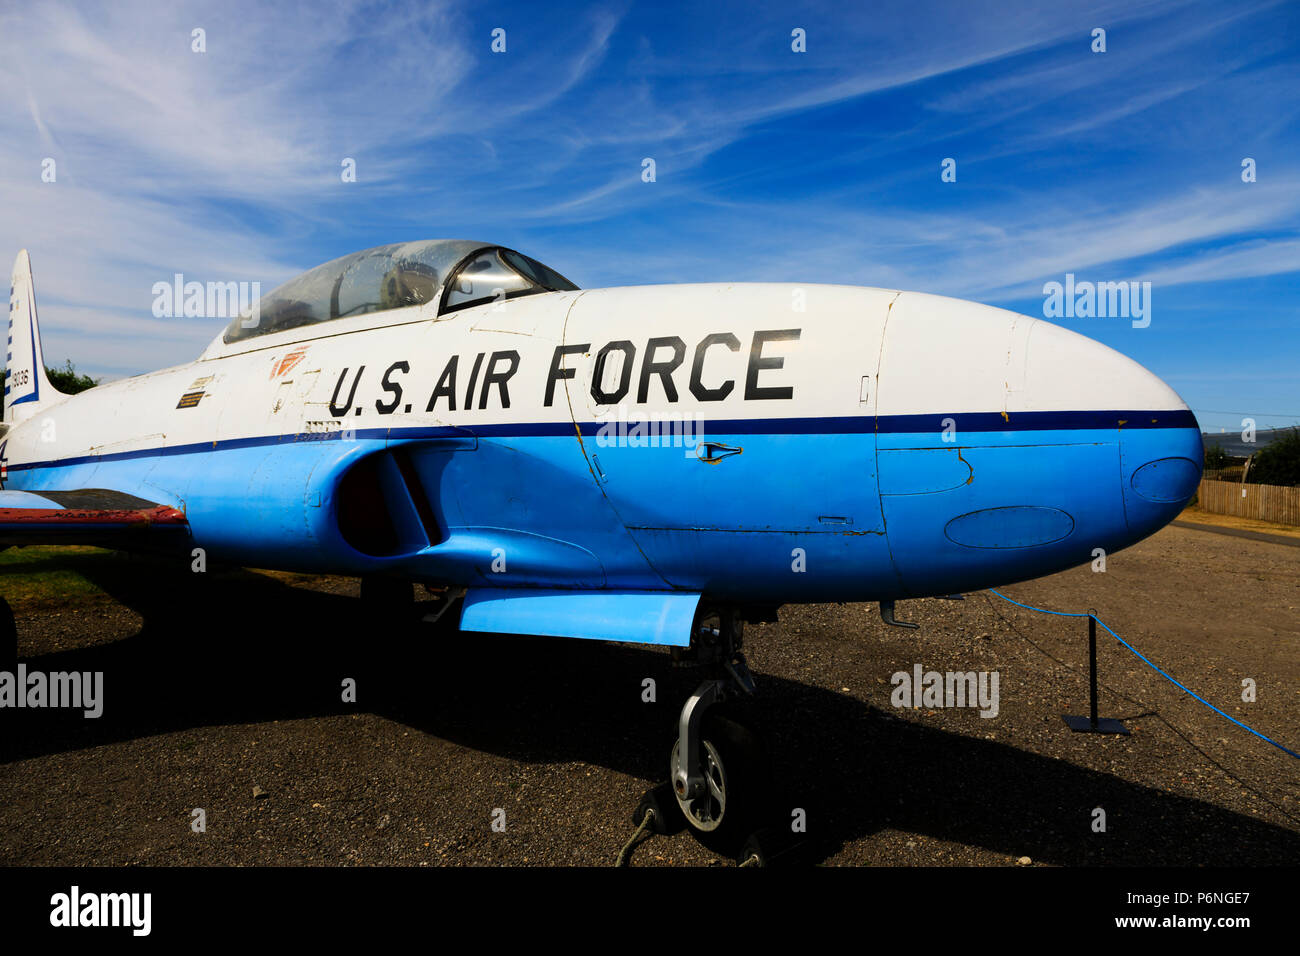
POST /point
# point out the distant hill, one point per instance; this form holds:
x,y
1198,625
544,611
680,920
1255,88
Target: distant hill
x,y
1233,446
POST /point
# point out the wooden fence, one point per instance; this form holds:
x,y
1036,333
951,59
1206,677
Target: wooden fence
x,y
1265,502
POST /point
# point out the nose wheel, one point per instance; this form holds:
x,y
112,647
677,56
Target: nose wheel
x,y
707,811
718,768
727,807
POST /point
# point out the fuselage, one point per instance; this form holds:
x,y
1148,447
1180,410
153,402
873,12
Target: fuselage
x,y
756,442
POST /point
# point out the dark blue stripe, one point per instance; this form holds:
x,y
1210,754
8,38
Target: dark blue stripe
x,y
848,425
1038,421
900,424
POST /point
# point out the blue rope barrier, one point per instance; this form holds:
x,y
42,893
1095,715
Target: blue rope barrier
x,y
1043,610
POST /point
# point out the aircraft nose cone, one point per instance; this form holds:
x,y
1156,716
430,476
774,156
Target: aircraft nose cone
x,y
1160,441
1073,447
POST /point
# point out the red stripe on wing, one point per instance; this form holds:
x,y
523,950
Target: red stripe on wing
x,y
57,517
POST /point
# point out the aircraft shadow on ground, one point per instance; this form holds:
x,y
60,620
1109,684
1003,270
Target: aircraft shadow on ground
x,y
242,648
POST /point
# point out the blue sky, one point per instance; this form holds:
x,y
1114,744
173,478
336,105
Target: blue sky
x,y
821,166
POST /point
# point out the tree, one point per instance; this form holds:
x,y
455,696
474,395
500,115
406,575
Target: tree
x,y
68,380
1215,457
1278,462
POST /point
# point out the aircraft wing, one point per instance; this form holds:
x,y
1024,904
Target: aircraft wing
x,y
85,516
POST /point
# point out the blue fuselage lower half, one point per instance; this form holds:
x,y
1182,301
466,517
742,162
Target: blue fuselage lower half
x,y
760,511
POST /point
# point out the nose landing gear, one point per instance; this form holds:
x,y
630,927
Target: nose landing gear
x,y
718,769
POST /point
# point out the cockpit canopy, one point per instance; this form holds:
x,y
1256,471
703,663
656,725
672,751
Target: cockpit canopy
x,y
464,273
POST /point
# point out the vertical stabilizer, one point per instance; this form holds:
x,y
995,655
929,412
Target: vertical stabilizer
x,y
26,386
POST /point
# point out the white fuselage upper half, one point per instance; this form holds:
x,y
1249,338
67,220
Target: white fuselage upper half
x,y
729,351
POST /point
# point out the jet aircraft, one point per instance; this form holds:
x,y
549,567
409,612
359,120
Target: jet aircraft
x,y
656,464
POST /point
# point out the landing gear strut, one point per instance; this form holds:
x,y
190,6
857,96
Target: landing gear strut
x,y
718,768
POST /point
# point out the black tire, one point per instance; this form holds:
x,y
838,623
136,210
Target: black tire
x,y
744,770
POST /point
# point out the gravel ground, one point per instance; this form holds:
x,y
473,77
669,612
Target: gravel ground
x,y
226,695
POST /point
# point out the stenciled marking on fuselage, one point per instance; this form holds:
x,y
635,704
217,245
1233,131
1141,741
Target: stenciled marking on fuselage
x,y
981,422
489,375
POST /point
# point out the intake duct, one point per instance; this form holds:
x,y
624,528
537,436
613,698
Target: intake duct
x,y
382,507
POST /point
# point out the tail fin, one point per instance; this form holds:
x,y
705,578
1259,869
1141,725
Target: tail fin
x,y
26,385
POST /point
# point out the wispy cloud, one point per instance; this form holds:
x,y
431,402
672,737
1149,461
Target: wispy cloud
x,y
821,166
